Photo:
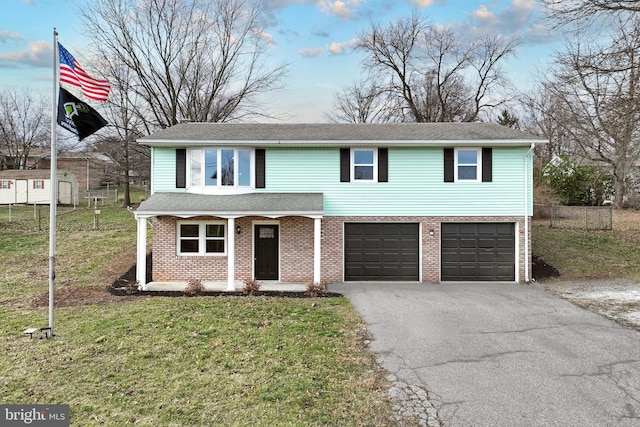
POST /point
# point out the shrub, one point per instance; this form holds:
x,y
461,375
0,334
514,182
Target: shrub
x,y
578,185
194,287
251,286
316,289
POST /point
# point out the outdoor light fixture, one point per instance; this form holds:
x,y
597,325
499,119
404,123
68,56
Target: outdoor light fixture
x,y
431,232
238,229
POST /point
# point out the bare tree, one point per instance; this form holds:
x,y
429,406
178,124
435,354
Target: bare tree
x,y
598,88
365,102
24,124
126,126
440,76
563,12
195,60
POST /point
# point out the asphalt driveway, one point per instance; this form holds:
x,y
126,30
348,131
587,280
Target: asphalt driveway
x,y
503,354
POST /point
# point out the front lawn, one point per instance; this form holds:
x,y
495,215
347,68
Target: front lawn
x,y
259,361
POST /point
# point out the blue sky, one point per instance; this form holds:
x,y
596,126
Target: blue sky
x,y
313,36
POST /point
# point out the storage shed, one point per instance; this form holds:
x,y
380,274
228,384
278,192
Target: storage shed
x,y
34,187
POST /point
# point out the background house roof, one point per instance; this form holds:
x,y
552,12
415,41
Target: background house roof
x,y
265,204
337,134
30,174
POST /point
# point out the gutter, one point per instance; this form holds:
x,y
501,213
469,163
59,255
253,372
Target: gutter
x,y
527,262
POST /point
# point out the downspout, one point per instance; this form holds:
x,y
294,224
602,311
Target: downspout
x,y
526,214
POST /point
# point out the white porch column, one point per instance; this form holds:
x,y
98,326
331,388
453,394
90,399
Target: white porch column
x,y
141,262
317,245
231,255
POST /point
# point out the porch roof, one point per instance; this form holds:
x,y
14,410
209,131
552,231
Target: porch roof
x,y
270,205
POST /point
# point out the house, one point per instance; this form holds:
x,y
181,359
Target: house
x,y
91,168
436,202
34,187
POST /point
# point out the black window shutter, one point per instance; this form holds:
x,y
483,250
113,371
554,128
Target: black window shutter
x,y
448,165
345,165
181,168
487,163
383,165
260,168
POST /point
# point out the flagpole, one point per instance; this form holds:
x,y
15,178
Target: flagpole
x,y
53,203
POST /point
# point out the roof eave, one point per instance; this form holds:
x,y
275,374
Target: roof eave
x,y
341,143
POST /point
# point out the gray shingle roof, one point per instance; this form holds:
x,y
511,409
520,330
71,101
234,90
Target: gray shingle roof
x,y
29,173
283,134
274,204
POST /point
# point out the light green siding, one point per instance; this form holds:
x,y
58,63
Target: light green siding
x,y
163,170
416,185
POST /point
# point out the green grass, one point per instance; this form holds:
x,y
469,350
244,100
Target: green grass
x,y
579,254
232,361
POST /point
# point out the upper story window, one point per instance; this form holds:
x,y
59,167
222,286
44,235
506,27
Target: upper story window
x,y
468,166
221,168
364,165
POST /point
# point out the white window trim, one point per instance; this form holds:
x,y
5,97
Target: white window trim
x,y
219,188
202,238
478,164
352,166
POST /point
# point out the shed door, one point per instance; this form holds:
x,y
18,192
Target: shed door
x,y
478,252
22,191
381,251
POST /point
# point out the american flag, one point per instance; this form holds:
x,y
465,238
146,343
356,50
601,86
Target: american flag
x,y
72,73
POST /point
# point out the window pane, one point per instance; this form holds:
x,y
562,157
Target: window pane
x,y
226,166
215,230
363,157
215,246
467,172
468,157
211,167
363,172
189,230
189,246
244,168
196,167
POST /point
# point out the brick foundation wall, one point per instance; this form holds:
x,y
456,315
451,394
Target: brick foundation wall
x,y
296,248
296,251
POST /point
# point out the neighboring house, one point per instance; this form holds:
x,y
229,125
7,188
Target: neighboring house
x,y
92,168
34,187
433,203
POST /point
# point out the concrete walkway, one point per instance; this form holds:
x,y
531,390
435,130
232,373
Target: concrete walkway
x,y
500,355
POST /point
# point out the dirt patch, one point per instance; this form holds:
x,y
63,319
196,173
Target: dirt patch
x,y
541,270
616,299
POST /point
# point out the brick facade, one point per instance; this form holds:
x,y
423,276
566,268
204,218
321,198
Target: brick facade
x,y
296,248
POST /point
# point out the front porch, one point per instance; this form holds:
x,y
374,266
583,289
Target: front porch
x,y
272,237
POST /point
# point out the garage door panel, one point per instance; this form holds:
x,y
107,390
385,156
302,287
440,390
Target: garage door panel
x,y
478,252
386,251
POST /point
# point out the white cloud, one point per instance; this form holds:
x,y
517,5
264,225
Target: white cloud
x,y
426,3
518,18
39,54
8,35
340,8
311,52
337,48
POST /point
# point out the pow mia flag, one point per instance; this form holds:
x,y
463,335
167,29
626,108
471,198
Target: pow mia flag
x,y
77,116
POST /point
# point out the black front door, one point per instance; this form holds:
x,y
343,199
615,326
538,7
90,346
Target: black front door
x,y
266,252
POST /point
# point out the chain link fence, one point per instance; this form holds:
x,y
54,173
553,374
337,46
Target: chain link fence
x,y
576,217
